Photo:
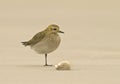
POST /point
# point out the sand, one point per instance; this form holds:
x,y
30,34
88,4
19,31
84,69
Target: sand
x,y
91,42
28,68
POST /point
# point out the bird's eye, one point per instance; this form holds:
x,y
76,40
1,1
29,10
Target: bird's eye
x,y
54,29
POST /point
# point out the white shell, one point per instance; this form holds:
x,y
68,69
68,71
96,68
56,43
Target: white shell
x,y
63,65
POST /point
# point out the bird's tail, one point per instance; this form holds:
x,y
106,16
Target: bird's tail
x,y
25,43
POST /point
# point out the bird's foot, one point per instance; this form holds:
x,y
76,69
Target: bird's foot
x,y
47,65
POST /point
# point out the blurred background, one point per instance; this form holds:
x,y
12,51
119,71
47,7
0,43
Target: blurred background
x,y
91,27
92,32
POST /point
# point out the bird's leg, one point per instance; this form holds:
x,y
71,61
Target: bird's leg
x,y
46,60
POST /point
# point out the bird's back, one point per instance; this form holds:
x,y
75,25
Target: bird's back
x,y
36,38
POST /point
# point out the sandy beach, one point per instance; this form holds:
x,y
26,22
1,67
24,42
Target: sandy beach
x,y
91,42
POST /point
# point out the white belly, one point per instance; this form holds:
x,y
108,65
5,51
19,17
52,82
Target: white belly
x,y
46,45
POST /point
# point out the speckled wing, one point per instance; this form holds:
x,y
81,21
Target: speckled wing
x,y
38,37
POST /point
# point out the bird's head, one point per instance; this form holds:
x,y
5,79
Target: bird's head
x,y
54,29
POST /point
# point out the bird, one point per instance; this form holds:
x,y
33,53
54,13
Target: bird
x,y
46,41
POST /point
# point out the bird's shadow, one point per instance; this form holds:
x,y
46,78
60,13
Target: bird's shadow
x,y
33,66
29,65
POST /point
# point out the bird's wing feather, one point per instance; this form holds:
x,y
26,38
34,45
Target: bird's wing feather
x,y
38,37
